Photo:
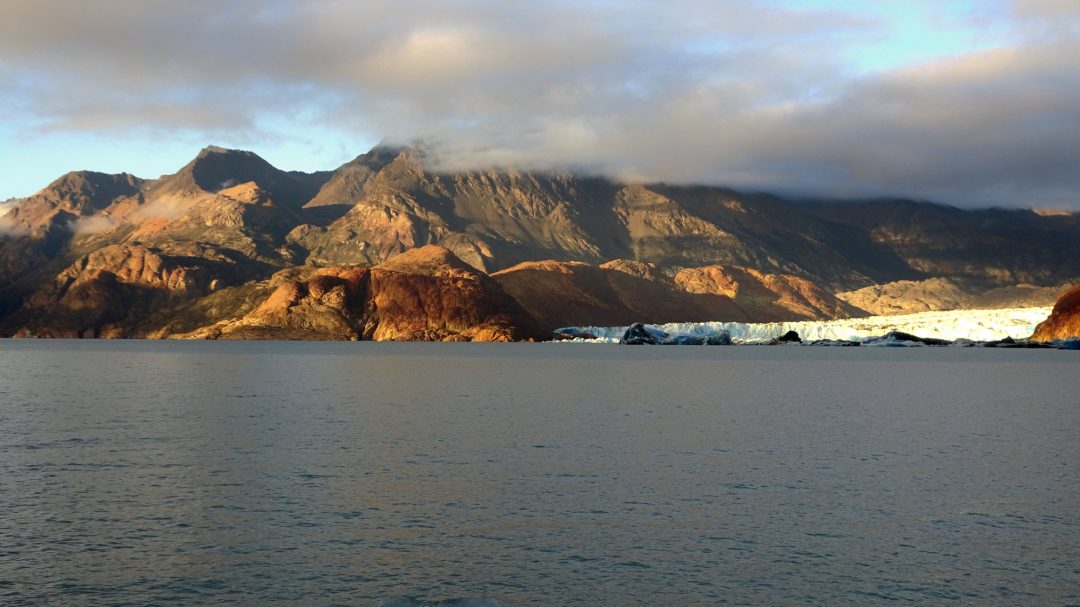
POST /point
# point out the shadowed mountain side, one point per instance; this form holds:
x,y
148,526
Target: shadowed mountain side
x,y
347,185
19,256
561,294
1064,319
758,231
215,169
424,294
106,292
243,218
933,294
994,247
391,203
767,297
1017,296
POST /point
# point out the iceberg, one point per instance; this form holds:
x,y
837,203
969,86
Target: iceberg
x,y
952,325
638,334
408,601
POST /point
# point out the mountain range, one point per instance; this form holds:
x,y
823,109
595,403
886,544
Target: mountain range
x,y
385,248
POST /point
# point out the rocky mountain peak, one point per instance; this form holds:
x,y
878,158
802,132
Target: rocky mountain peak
x,y
646,271
248,193
218,168
217,149
429,260
90,189
215,169
73,195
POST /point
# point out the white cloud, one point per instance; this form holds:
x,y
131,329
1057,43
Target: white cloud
x,y
7,227
93,224
738,93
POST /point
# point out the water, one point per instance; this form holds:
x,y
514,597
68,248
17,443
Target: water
x,y
336,474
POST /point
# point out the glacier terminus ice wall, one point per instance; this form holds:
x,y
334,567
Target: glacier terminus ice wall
x,y
975,325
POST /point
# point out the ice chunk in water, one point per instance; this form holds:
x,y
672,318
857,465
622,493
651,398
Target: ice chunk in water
x,y
408,601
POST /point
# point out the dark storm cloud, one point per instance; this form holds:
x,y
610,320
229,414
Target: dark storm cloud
x,y
737,93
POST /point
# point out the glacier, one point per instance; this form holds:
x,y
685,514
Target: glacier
x,y
953,325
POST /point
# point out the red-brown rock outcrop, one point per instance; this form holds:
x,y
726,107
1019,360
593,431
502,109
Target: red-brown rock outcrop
x,y
111,283
767,297
423,294
1064,319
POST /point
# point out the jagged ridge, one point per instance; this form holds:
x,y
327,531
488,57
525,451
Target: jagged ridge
x,y
787,257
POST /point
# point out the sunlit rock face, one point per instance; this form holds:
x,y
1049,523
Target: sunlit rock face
x,y
1064,319
95,295
424,294
766,296
73,196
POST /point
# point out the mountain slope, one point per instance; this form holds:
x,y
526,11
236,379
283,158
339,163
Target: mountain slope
x,y
112,288
618,251
563,294
73,196
390,203
990,246
935,294
423,294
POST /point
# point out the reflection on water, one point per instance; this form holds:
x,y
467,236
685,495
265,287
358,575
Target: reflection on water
x,y
260,473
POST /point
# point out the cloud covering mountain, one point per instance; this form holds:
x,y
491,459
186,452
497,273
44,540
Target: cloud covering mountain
x,y
805,98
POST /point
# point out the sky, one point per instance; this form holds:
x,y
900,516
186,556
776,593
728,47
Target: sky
x,y
973,103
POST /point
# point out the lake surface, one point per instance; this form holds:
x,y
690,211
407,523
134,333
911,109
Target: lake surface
x,y
536,474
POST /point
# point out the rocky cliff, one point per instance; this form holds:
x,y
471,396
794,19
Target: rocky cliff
x,y
115,285
1064,320
767,297
423,294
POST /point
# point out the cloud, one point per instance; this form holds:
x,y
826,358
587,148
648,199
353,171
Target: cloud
x,y
749,94
8,227
93,224
1041,9
168,208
